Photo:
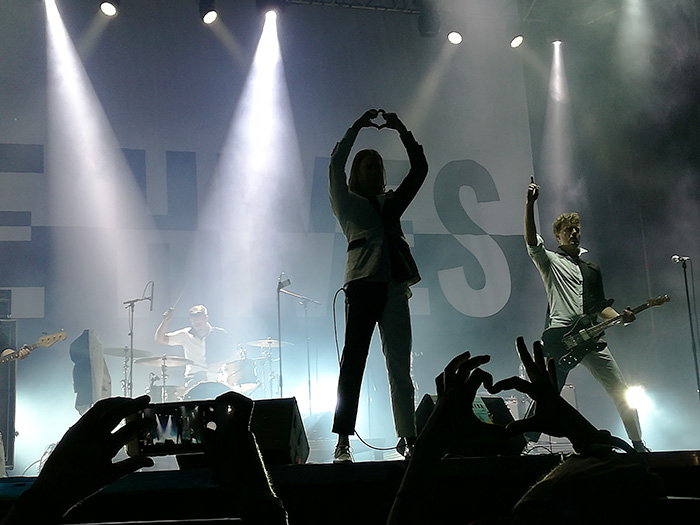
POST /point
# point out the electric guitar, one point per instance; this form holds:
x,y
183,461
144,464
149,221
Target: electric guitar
x,y
570,344
46,340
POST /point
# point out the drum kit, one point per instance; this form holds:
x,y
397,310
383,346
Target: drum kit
x,y
240,375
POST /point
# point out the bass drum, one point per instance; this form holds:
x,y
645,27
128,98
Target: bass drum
x,y
206,390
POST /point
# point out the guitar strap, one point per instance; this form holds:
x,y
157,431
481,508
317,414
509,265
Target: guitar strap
x,y
588,276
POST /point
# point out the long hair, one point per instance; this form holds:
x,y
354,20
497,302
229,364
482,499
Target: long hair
x,y
361,155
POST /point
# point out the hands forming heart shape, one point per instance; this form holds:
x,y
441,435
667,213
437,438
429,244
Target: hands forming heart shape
x,y
380,115
379,119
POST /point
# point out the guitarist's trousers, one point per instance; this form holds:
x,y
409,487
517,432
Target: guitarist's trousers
x,y
606,371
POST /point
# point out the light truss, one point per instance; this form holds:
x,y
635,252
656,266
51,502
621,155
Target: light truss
x,y
395,6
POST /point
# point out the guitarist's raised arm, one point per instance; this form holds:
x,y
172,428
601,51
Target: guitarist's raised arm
x,y
533,191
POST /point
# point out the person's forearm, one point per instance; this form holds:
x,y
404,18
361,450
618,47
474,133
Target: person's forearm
x,y
530,228
160,336
412,503
341,152
608,313
583,435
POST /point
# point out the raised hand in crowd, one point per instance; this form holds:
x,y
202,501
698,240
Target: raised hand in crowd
x,y
451,428
237,466
552,415
625,490
81,463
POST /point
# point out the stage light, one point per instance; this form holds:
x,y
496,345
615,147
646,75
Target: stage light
x,y
517,41
428,18
207,11
637,398
110,8
454,37
266,6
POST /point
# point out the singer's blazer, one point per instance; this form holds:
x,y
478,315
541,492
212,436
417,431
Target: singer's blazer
x,y
364,226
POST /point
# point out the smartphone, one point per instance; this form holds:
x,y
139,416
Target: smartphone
x,y
177,428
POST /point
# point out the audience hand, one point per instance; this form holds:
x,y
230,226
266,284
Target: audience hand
x,y
81,463
552,415
237,466
453,422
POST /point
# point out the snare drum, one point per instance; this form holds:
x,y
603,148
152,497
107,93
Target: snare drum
x,y
240,376
206,390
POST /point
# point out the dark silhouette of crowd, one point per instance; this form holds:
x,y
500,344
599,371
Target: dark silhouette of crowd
x,y
81,463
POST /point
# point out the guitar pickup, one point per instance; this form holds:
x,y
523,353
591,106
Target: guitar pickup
x,y
585,336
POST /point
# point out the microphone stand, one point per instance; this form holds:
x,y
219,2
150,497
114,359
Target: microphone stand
x,y
692,329
129,385
281,284
304,301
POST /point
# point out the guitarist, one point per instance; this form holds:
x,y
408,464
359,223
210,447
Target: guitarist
x,y
21,354
574,287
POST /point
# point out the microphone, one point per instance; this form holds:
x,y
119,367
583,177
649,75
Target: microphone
x,y
150,299
283,281
678,258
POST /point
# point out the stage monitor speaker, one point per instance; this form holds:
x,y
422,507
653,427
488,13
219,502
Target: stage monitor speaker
x,y
489,409
8,390
279,431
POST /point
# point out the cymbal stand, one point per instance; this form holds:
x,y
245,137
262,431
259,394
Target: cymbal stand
x,y
164,376
126,367
270,373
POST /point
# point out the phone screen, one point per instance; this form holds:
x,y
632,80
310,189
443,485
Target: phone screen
x,y
178,428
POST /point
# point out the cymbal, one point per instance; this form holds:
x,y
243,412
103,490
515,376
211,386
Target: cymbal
x,y
167,360
122,351
268,343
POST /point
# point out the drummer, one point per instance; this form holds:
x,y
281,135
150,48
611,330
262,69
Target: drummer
x,y
207,346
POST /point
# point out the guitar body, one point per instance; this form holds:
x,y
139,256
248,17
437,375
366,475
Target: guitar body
x,y
568,345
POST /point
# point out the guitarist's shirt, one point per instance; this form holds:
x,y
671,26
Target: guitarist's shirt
x,y
574,287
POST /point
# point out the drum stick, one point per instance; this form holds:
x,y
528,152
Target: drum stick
x,y
179,297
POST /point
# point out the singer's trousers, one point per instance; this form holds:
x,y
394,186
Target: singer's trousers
x,y
368,304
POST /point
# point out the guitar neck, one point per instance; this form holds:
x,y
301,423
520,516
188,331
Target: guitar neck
x,y
46,340
15,353
598,329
